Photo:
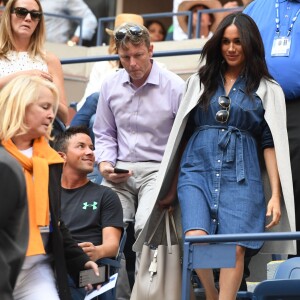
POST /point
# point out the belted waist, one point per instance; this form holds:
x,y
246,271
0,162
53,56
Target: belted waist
x,y
231,142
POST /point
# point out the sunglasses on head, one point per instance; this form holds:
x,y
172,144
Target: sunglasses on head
x,y
22,12
223,114
132,30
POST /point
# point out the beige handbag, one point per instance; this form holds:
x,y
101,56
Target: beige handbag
x,y
159,274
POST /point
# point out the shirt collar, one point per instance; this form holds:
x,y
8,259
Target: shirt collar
x,y
153,77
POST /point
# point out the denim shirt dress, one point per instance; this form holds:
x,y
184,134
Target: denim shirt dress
x,y
220,189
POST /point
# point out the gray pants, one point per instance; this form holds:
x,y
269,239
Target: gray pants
x,y
136,198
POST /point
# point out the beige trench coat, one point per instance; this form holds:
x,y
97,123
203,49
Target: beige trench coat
x,y
275,114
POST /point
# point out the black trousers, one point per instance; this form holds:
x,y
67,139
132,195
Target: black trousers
x,y
293,127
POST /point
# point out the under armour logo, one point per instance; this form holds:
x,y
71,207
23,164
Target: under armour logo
x,y
85,205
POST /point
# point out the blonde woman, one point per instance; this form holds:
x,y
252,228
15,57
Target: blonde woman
x,y
22,36
28,105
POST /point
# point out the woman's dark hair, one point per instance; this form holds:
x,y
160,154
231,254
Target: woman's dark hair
x,y
202,6
255,64
150,22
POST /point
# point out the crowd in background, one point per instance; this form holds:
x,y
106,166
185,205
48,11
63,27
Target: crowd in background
x,y
198,152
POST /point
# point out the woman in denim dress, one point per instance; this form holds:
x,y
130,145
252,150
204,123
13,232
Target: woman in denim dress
x,y
220,189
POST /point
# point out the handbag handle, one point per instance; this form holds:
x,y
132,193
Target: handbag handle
x,y
165,214
167,218
156,226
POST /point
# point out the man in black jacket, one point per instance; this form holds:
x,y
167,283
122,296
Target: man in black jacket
x,y
13,222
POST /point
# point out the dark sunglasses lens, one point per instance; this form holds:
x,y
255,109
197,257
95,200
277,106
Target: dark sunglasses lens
x,y
136,31
224,101
23,12
222,116
35,15
120,34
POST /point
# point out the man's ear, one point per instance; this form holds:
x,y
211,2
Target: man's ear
x,y
63,155
151,50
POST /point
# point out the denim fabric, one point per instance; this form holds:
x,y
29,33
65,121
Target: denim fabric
x,y
220,188
86,114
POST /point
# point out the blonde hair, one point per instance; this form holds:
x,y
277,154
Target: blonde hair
x,y
7,43
15,97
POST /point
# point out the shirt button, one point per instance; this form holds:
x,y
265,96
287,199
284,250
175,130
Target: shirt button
x,y
216,190
215,205
217,174
214,220
219,160
223,129
234,89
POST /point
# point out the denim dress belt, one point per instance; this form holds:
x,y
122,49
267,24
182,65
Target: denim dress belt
x,y
232,143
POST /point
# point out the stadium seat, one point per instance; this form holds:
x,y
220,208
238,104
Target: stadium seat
x,y
289,269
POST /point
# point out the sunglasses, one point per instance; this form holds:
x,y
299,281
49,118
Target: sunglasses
x,y
22,12
134,31
223,114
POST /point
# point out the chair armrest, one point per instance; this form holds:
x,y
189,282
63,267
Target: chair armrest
x,y
109,261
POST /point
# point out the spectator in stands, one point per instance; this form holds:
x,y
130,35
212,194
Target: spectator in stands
x,y
14,231
92,213
135,114
284,63
61,30
22,34
100,9
28,105
86,108
207,20
232,114
178,32
157,30
2,3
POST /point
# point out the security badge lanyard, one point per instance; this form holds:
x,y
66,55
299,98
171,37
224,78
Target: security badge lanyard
x,y
282,44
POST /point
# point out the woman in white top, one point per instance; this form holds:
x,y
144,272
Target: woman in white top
x,y
22,36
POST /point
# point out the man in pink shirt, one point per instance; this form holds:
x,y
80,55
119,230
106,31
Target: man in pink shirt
x,y
135,114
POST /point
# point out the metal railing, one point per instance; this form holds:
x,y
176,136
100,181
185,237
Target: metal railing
x,y
189,14
75,60
221,255
107,20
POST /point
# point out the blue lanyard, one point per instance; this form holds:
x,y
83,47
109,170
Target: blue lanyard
x,y
277,20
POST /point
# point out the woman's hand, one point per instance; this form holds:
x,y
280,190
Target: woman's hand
x,y
92,265
274,210
167,201
40,73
